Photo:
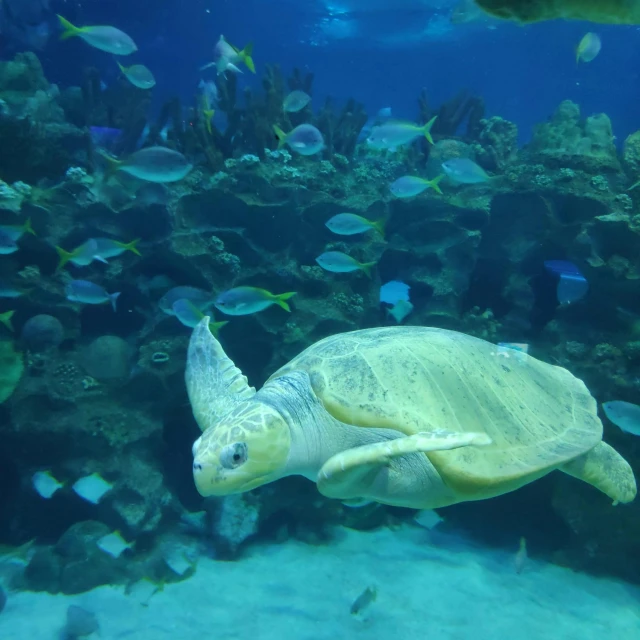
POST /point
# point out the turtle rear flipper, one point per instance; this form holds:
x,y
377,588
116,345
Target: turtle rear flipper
x,y
605,469
378,470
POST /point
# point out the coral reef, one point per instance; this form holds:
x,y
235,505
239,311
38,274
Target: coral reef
x,y
103,391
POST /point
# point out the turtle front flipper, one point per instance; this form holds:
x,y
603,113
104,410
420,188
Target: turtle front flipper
x,y
605,469
378,471
214,384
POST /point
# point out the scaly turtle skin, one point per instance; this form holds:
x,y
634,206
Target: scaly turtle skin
x,y
602,11
407,416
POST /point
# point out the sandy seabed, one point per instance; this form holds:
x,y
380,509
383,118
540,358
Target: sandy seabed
x,y
294,591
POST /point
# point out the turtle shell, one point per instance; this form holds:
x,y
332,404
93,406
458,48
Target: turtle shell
x,y
419,379
601,11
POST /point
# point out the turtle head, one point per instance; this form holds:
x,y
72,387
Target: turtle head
x,y
244,443
247,448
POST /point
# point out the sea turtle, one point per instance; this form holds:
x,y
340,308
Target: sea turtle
x,y
602,11
407,416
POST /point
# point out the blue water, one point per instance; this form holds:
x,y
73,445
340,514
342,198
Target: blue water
x,y
521,72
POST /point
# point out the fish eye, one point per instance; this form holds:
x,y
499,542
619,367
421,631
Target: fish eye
x,y
233,455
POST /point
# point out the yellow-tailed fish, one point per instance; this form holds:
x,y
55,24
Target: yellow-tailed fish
x,y
243,301
5,319
138,75
105,38
588,48
364,600
339,262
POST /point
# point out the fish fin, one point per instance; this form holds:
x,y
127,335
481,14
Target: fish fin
x,y
69,29
380,224
113,164
280,135
113,298
27,228
100,259
64,256
366,267
427,129
245,56
216,326
434,184
280,299
208,66
130,246
5,319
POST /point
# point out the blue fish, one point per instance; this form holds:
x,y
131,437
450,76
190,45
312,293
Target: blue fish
x,y
561,267
89,293
394,291
572,285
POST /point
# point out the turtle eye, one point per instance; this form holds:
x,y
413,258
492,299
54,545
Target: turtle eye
x,y
233,455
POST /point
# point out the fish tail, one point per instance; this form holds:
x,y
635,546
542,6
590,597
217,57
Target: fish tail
x,y
427,129
245,56
64,256
366,267
113,164
122,69
130,246
5,319
69,29
280,299
216,326
380,224
113,298
280,135
27,228
434,184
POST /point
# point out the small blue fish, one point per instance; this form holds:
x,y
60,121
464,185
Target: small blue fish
x,y
9,291
625,415
572,284
395,133
349,224
45,484
243,301
409,186
89,293
198,297
296,101
16,231
400,310
7,244
98,249
562,267
394,291
113,544
189,315
465,171
305,139
92,488
339,262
